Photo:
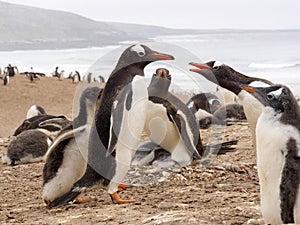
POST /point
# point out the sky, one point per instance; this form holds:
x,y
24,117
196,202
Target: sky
x,y
196,14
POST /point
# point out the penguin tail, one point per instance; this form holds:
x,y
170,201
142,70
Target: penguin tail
x,y
223,148
67,197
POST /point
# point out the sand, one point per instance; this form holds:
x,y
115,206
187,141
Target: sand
x,y
226,192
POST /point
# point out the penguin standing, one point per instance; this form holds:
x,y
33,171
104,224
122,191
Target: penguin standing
x,y
6,80
110,167
205,101
76,77
233,81
278,154
66,159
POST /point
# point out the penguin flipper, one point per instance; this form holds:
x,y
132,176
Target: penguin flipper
x,y
182,129
69,134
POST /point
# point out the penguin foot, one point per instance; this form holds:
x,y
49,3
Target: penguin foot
x,y
116,199
83,200
123,187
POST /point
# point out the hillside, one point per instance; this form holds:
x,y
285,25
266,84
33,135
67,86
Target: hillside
x,y
24,27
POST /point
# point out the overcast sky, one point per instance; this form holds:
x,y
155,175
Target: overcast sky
x,y
213,14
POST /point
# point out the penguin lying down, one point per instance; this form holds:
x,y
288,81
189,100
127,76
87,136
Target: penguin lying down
x,y
31,144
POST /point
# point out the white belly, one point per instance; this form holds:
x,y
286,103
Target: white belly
x,y
72,169
271,137
164,133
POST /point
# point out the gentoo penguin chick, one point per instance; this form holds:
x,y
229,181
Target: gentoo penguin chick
x,y
278,154
49,122
108,163
35,110
233,81
30,146
169,122
66,159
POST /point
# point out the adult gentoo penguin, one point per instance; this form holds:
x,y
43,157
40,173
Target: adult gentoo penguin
x,y
233,81
278,154
104,167
66,159
6,79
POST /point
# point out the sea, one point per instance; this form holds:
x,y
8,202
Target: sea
x,y
274,55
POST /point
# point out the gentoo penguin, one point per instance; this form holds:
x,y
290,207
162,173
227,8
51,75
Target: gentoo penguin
x,y
110,167
89,77
203,105
6,79
169,122
278,154
76,77
35,110
29,146
101,79
233,81
231,112
49,122
61,75
66,159
205,101
55,72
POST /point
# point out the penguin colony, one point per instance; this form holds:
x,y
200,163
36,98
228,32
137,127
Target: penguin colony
x,y
108,138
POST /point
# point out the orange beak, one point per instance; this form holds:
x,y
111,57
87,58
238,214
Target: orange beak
x,y
249,89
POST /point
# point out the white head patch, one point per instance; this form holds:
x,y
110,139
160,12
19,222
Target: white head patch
x,y
218,63
277,92
258,84
140,51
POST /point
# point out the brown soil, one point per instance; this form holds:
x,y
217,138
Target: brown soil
x,y
226,192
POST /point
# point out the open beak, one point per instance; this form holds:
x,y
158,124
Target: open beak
x,y
199,67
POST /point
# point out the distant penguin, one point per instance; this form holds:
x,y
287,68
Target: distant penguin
x,y
6,80
61,75
109,162
205,101
76,77
231,113
30,146
278,154
55,73
35,110
15,70
88,77
232,80
101,79
66,159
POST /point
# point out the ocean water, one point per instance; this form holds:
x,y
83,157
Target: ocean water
x,y
274,55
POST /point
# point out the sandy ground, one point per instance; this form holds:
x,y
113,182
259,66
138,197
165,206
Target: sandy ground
x,y
226,192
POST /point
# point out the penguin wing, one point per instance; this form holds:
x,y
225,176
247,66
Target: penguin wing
x,y
122,104
181,125
64,136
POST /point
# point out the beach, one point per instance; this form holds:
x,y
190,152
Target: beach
x,y
226,192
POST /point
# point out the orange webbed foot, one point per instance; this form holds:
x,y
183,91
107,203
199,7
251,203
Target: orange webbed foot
x,y
116,199
83,200
122,187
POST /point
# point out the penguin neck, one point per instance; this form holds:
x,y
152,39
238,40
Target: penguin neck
x,y
119,79
85,116
159,87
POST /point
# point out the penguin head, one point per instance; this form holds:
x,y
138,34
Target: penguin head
x,y
142,55
225,76
89,96
160,83
278,97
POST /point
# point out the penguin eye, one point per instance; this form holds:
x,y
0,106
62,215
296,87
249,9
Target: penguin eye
x,y
216,67
270,97
141,54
